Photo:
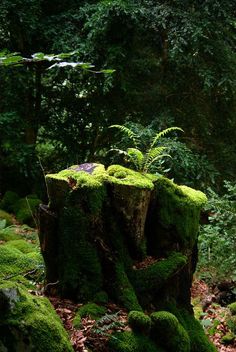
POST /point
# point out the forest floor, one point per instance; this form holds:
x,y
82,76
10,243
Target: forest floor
x,y
92,335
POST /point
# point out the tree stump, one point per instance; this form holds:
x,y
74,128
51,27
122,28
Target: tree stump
x,y
132,235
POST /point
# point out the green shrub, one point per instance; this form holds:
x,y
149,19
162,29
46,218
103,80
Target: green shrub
x,y
217,240
6,216
8,201
25,209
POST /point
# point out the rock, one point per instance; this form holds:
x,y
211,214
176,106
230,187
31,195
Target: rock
x,y
28,323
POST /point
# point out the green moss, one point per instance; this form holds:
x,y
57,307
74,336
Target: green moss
x,y
232,308
129,177
25,209
179,209
77,321
139,322
92,310
8,201
8,217
130,342
101,297
13,262
156,275
231,322
169,333
31,324
199,342
21,245
123,289
228,338
79,265
9,234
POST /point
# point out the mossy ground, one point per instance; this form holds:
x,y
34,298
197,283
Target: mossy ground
x,y
20,257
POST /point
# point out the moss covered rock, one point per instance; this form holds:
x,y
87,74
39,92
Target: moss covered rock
x,y
14,263
29,323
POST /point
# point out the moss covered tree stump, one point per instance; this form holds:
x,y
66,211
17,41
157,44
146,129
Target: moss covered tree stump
x,y
131,235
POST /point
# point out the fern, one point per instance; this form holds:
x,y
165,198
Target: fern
x,y
142,161
163,134
128,132
136,157
106,323
151,156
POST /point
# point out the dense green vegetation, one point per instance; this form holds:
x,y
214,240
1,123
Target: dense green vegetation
x,y
69,70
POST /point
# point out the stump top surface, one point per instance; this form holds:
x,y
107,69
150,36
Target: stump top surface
x,y
87,167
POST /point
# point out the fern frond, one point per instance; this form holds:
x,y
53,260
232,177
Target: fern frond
x,y
163,134
128,132
136,157
151,155
147,165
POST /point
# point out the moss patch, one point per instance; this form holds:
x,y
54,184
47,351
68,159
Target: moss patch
x,y
123,289
77,321
120,175
232,308
139,322
93,310
156,275
21,245
130,342
199,342
14,263
169,333
179,209
30,323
